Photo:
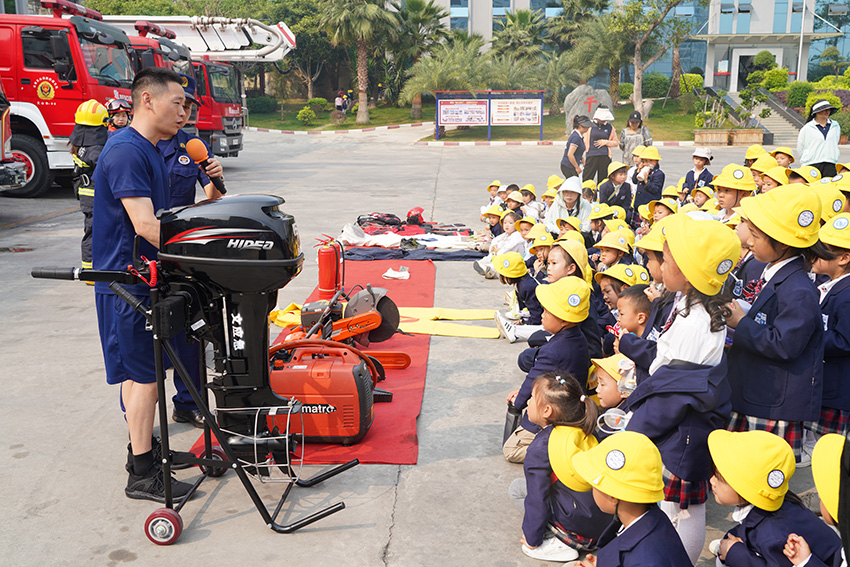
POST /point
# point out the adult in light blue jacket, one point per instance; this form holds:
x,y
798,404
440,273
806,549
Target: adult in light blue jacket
x,y
817,143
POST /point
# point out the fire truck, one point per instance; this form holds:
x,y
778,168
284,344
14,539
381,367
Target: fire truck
x,y
48,66
214,43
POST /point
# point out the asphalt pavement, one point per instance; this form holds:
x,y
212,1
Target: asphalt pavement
x,y
63,450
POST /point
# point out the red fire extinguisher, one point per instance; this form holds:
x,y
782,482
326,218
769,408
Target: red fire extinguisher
x,y
331,267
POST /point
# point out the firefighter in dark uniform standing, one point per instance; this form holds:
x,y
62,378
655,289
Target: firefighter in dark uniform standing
x,y
183,176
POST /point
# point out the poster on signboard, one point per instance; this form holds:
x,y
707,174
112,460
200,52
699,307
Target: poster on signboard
x,y
516,112
463,112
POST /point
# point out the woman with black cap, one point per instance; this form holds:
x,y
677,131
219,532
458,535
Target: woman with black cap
x,y
633,135
817,143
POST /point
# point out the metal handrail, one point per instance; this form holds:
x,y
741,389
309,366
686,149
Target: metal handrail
x,y
783,110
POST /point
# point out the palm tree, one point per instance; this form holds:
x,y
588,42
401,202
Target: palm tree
x,y
555,74
504,72
564,27
420,30
357,21
522,35
598,47
463,37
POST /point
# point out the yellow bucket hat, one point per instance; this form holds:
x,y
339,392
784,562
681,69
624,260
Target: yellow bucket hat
x,y
708,190
616,224
495,210
650,152
688,207
842,181
638,150
510,265
679,184
615,166
756,464
494,183
754,151
567,299
789,214
619,272
810,173
763,163
783,150
574,222
736,177
826,470
705,251
643,211
832,200
778,174
626,466
598,211
537,231
670,191
618,212
516,196
641,275
551,192
654,239
616,240
589,183
530,220
836,232
529,187
505,213
667,202
571,235
542,240
613,365
842,167
554,182
564,443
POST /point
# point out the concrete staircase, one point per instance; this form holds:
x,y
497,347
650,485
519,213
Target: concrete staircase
x,y
784,131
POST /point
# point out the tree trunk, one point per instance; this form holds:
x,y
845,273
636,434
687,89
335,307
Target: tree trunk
x,y
614,84
677,64
309,80
637,94
362,83
262,80
555,107
416,107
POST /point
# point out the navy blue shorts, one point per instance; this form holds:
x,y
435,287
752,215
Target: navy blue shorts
x,y
127,347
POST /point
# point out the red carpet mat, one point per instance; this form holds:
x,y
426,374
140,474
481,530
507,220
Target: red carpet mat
x,y
392,439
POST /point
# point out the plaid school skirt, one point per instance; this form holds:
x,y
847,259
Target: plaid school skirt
x,y
574,540
831,420
684,492
791,431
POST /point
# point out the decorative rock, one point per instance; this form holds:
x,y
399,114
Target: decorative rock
x,y
583,100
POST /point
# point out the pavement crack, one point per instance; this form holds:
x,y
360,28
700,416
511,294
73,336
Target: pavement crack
x,y
386,551
436,181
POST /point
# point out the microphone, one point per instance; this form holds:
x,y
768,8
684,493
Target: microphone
x,y
198,152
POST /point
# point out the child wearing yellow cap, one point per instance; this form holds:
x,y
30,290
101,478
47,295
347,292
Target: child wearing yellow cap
x,y
494,201
663,208
609,372
752,154
701,195
509,241
493,218
613,249
784,156
513,201
685,396
560,516
752,471
834,262
649,181
773,178
513,271
611,283
831,471
566,304
776,358
624,471
733,184
699,176
763,163
531,206
614,190
539,259
588,191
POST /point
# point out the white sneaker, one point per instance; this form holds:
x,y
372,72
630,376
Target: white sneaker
x,y
805,460
506,328
552,549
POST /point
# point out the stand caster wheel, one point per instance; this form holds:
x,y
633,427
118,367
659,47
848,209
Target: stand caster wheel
x,y
163,526
217,455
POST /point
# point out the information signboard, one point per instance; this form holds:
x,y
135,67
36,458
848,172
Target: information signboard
x,y
463,112
516,112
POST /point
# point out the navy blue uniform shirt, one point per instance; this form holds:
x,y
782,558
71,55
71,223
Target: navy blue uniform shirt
x,y
649,190
183,172
835,313
527,299
649,541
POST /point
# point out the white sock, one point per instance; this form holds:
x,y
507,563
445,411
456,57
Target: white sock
x,y
690,524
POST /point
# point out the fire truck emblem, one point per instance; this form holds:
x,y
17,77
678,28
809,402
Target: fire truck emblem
x,y
45,90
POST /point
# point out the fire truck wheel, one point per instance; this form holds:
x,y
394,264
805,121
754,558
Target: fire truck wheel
x,y
27,150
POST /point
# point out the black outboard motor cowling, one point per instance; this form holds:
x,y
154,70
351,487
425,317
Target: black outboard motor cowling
x,y
238,250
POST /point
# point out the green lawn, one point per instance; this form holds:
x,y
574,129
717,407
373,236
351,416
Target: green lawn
x,y
384,115
668,125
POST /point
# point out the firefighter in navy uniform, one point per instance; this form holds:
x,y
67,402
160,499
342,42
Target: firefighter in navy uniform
x,y
183,176
87,141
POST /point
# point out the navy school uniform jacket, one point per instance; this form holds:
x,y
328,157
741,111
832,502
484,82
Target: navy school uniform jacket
x,y
621,197
588,328
776,358
835,312
650,190
527,299
705,178
642,350
650,541
677,407
496,229
549,502
765,533
566,351
539,277
750,270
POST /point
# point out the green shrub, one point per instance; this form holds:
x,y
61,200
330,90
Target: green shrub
x,y
306,116
797,94
755,78
847,77
626,90
775,79
764,60
830,82
818,95
689,81
687,102
843,119
655,85
318,103
261,105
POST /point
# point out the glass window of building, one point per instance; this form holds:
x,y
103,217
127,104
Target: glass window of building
x,y
459,15
745,10
727,17
780,16
550,8
500,8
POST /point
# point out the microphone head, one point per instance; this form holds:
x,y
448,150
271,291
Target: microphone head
x,y
197,150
